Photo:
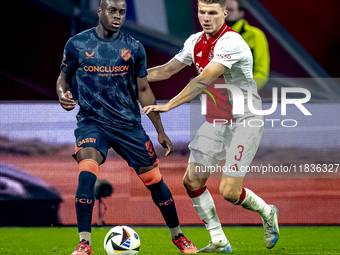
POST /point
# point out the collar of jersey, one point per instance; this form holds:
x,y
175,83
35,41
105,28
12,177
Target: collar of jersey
x,y
105,40
214,39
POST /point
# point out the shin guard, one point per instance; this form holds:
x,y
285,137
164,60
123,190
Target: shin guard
x,y
85,198
161,196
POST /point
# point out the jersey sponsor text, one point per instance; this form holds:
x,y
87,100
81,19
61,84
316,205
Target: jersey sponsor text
x,y
106,69
87,140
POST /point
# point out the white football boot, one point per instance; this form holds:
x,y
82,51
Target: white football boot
x,y
271,228
220,247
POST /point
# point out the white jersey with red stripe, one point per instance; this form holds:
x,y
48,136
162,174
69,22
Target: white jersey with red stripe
x,y
228,48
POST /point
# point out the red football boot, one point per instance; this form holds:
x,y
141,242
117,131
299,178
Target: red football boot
x,y
185,245
83,249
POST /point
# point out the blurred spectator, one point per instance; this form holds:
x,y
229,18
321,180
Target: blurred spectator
x,y
254,37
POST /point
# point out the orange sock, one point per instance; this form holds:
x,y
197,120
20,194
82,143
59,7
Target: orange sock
x,y
89,165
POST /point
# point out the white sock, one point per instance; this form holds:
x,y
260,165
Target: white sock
x,y
85,236
175,232
205,208
254,203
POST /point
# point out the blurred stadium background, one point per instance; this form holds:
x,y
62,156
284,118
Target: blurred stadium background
x,y
37,173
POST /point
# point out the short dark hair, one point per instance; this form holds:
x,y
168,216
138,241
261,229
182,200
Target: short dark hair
x,y
102,1
222,3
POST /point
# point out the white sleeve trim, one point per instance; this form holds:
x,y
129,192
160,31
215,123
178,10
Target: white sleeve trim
x,y
186,54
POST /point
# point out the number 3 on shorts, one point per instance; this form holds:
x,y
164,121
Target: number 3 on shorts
x,y
241,149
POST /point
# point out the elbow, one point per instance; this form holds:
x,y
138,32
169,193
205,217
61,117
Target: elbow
x,y
142,90
167,74
167,71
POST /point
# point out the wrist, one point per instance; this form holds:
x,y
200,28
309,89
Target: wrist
x,y
160,129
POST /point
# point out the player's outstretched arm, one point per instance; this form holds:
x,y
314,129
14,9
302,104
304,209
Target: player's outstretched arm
x,y
164,72
64,94
212,71
146,97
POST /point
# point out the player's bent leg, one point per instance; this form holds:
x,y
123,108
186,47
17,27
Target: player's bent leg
x,y
240,154
85,196
194,181
231,189
163,199
88,163
84,202
205,208
269,214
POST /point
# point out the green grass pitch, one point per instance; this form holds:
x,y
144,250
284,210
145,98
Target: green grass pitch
x,y
156,240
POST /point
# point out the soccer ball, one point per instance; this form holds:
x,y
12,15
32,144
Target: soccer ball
x,y
121,240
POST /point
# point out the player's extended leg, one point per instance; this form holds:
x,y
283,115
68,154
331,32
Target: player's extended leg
x,y
162,197
244,142
194,181
88,163
232,190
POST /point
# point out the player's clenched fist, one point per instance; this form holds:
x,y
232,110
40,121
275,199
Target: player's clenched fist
x,y
165,141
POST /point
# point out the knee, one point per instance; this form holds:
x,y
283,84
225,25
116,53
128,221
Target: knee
x,y
151,177
191,184
88,165
230,193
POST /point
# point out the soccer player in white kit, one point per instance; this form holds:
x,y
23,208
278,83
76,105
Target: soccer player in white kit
x,y
219,52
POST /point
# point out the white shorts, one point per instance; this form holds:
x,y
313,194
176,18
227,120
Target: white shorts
x,y
236,145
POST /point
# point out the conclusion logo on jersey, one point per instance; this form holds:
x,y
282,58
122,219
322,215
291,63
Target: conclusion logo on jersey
x,y
125,54
107,70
